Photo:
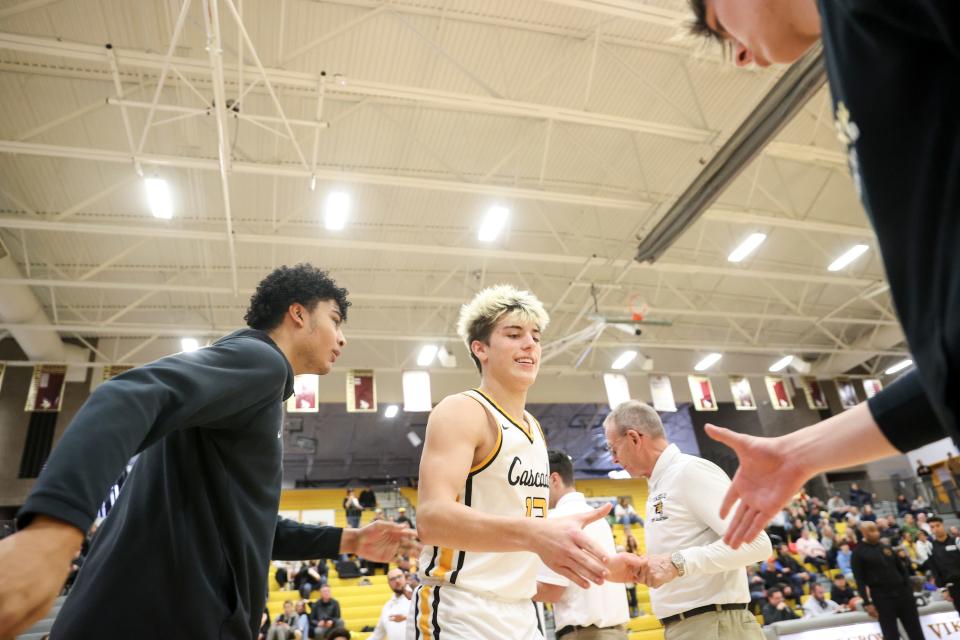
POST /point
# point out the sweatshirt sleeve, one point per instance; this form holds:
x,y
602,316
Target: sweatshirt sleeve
x,y
296,541
127,414
905,415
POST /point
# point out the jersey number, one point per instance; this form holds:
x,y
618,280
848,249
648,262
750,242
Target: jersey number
x,y
536,507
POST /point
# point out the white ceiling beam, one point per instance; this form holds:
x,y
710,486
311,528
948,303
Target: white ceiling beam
x,y
806,153
308,83
630,9
434,250
760,220
291,171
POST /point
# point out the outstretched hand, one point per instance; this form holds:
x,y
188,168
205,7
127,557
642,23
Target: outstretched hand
x,y
765,481
382,541
565,548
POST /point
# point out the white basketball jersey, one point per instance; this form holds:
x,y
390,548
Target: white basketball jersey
x,y
513,480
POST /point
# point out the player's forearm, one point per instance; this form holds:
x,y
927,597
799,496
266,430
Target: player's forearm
x,y
847,439
456,526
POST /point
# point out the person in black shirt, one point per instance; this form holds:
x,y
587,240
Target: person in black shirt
x,y
842,593
325,613
892,68
196,523
945,560
885,585
776,610
859,497
367,498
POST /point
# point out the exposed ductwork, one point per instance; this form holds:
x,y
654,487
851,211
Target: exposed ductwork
x,y
18,305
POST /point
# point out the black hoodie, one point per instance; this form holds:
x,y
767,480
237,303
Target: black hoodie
x,y
185,550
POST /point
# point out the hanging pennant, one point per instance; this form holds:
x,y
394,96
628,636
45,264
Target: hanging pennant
x,y
306,388
46,388
416,391
618,391
361,391
661,391
702,393
813,392
872,386
743,398
778,392
848,394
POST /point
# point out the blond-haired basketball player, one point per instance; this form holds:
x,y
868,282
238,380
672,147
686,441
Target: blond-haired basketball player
x,y
484,489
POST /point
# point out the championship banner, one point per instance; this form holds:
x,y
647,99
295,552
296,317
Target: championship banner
x,y
848,395
46,388
661,391
872,386
306,388
416,391
113,370
743,398
816,399
361,391
701,391
779,395
618,391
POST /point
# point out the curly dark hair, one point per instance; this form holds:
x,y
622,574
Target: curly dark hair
x,y
302,283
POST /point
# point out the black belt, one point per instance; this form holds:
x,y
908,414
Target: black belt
x,y
570,628
704,609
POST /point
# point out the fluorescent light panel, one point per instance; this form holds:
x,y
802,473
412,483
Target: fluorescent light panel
x,y
427,353
493,223
781,364
900,366
747,247
335,210
158,198
618,391
416,391
708,362
849,256
391,411
623,360
189,344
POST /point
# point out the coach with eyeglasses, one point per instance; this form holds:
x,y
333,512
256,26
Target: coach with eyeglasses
x,y
698,584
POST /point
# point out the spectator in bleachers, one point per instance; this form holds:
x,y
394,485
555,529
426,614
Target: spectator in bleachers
x,y
867,514
919,505
625,514
910,526
337,634
378,514
843,594
828,538
757,585
844,558
402,518
312,575
264,624
392,624
303,619
776,609
837,507
632,602
778,526
814,515
812,551
858,497
819,604
352,509
367,498
794,574
923,524
285,626
954,531
282,574
945,560
903,505
924,549
325,612
889,530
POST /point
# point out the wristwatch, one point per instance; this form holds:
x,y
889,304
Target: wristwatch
x,y
677,560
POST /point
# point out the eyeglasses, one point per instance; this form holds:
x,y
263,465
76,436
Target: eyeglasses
x,y
614,447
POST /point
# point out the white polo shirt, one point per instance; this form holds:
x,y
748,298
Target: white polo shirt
x,y
601,606
683,514
387,629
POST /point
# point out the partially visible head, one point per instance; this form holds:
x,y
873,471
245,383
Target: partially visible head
x,y
307,306
921,517
870,531
908,518
922,535
845,547
301,606
288,607
325,593
775,596
760,31
817,591
840,580
936,526
337,633
501,327
349,492
854,486
867,509
561,475
635,437
397,580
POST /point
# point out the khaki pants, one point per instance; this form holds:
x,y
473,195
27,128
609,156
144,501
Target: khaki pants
x,y
596,633
738,624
